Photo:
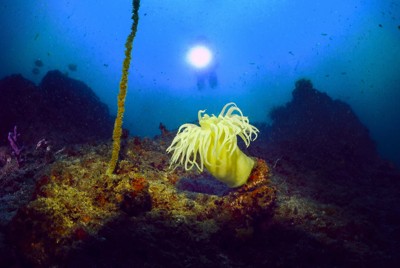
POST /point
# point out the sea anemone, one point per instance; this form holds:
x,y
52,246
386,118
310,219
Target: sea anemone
x,y
213,145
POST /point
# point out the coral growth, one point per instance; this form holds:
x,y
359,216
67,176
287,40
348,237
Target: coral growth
x,y
75,202
72,203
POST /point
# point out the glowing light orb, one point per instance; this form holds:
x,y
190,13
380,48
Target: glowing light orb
x,y
199,56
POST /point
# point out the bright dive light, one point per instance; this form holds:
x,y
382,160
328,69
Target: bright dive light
x,y
199,56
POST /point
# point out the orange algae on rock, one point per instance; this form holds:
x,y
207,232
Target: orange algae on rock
x,y
253,203
210,215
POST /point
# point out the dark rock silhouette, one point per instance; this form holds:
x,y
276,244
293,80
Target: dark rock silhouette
x,y
61,109
320,133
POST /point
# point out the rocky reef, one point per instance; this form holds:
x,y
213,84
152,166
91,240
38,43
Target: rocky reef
x,y
61,109
76,209
325,134
333,188
319,196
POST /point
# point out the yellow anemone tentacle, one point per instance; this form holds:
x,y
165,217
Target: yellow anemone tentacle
x,y
213,145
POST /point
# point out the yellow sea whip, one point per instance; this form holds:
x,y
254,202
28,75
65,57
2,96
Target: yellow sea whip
x,y
123,85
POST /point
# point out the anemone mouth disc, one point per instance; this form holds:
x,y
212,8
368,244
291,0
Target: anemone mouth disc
x,y
199,56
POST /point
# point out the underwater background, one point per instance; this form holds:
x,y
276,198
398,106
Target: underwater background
x,y
254,133
349,49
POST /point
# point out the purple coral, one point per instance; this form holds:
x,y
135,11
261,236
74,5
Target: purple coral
x,y
12,138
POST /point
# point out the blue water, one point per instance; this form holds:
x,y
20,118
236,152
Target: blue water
x,y
350,49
